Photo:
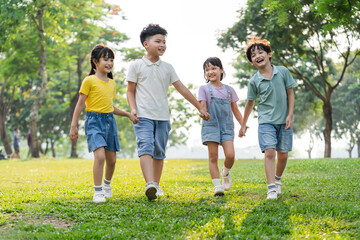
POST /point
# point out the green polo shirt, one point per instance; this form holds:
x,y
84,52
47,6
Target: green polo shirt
x,y
273,106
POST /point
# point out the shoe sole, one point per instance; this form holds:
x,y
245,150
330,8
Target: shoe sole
x,y
99,201
151,193
219,194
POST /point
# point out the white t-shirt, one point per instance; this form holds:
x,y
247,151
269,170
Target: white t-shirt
x,y
152,84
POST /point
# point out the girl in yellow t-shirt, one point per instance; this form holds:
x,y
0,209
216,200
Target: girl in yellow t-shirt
x,y
97,92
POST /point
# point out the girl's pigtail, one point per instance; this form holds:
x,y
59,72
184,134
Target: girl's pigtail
x,y
93,67
110,75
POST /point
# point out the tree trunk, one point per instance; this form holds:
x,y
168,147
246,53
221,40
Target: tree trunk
x,y
358,146
34,115
327,111
4,137
4,110
309,153
52,142
74,100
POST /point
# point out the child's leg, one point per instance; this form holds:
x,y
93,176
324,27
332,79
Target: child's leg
x,y
270,165
281,163
157,169
270,172
110,164
229,152
146,164
213,149
98,168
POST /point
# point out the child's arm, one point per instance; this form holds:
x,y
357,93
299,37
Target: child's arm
x,y
291,103
73,134
126,114
184,91
236,112
203,105
248,108
130,94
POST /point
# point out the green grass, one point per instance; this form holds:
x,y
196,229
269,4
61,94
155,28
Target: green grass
x,y
51,199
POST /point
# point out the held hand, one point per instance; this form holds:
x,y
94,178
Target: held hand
x,y
288,122
73,134
204,115
243,131
133,116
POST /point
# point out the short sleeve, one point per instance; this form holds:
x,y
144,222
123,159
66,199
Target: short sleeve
x,y
289,80
85,87
173,76
202,93
252,91
234,96
132,76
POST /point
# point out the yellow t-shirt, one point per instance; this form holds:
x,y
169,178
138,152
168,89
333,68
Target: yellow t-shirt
x,y
100,94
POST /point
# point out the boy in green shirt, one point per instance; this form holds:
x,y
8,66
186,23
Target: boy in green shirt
x,y
274,85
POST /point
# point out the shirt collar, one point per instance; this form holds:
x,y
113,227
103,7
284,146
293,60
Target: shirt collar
x,y
261,77
149,63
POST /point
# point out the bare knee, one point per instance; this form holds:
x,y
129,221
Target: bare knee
x,y
230,156
270,154
213,158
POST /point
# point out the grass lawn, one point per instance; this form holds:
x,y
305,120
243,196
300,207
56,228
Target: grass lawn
x,y
52,199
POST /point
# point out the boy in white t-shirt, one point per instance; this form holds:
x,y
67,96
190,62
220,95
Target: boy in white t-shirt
x,y
148,81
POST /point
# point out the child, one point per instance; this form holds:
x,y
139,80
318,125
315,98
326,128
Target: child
x,y
148,81
16,140
97,92
220,102
274,85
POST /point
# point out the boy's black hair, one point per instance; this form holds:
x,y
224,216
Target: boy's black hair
x,y
99,51
151,30
257,43
215,62
16,128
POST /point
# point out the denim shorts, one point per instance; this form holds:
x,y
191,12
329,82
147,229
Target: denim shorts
x,y
275,136
152,137
101,131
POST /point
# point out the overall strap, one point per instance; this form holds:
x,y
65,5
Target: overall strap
x,y
228,93
210,91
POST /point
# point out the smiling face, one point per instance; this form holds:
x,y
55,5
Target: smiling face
x,y
104,65
260,58
155,45
213,73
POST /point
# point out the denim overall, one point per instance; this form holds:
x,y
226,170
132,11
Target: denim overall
x,y
220,128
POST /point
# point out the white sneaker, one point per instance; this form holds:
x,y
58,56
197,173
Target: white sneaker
x,y
271,194
219,190
159,192
150,191
99,197
226,181
278,186
107,190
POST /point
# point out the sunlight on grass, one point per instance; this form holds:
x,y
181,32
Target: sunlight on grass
x,y
52,199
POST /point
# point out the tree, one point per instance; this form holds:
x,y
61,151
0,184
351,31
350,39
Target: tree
x,y
346,109
307,39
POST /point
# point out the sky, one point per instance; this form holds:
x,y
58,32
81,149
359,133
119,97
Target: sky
x,y
193,28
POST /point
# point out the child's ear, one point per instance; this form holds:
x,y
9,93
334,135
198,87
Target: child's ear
x,y
270,54
145,43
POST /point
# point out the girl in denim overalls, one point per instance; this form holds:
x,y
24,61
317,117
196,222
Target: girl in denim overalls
x,y
97,92
220,101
